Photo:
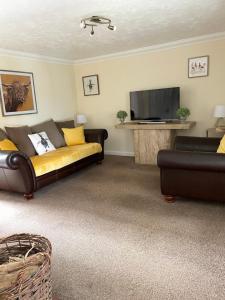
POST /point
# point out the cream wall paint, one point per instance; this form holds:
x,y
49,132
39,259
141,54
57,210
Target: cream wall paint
x,y
165,68
54,86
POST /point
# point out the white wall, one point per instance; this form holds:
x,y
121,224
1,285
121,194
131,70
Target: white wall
x,y
164,68
54,86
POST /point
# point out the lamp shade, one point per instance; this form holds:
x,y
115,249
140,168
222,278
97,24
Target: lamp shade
x,y
81,119
219,111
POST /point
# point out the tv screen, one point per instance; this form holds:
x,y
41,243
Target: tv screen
x,y
159,104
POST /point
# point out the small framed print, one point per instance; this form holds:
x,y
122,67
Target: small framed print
x,y
198,66
91,85
17,93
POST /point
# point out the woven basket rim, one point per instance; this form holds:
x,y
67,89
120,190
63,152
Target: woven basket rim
x,y
26,285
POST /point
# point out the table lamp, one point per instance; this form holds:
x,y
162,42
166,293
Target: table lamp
x,y
219,113
81,119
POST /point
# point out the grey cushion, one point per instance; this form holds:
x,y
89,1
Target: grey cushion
x,y
52,132
19,136
64,124
3,135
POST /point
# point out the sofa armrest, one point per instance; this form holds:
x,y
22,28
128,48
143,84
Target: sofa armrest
x,y
172,159
197,144
96,136
16,172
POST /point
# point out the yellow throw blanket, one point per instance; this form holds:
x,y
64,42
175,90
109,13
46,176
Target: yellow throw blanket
x,y
62,157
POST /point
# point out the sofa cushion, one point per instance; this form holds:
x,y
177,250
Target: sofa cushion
x,y
6,144
74,136
52,132
64,124
221,148
41,142
3,135
19,136
62,157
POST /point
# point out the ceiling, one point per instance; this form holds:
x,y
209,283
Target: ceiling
x,y
51,27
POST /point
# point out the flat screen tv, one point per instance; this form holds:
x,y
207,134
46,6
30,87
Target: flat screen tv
x,y
153,105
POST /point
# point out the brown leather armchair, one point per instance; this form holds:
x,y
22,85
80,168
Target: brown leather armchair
x,y
192,169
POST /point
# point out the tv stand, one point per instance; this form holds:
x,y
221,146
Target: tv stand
x,y
149,138
152,122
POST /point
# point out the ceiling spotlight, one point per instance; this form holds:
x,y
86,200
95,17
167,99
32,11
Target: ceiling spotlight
x,y
92,31
82,24
95,21
112,27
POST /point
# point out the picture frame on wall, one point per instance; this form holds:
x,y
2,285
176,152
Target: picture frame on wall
x,y
17,93
91,85
198,66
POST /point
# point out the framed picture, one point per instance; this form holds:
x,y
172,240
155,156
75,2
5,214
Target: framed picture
x,y
17,93
198,66
91,85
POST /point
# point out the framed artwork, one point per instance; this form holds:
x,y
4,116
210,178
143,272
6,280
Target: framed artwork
x,y
198,66
17,93
91,85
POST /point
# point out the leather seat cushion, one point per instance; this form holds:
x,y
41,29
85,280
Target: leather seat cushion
x,y
52,132
3,135
62,157
19,136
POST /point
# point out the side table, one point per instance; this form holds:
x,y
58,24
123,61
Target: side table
x,y
215,132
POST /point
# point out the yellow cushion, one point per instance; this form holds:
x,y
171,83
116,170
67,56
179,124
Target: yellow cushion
x,y
62,157
221,148
7,145
74,136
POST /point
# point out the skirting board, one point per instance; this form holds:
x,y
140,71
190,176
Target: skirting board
x,y
119,153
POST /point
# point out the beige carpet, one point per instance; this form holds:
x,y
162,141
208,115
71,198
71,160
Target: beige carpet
x,y
114,237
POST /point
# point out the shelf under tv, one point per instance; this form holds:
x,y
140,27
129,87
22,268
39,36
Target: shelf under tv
x,y
151,122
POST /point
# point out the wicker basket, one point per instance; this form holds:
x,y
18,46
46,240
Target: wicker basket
x,y
25,268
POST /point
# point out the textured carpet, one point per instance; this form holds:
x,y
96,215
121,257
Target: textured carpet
x,y
114,237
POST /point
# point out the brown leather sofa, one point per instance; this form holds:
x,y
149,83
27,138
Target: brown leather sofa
x,y
17,172
192,169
